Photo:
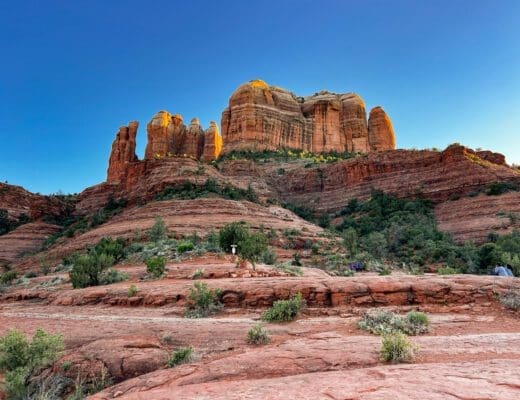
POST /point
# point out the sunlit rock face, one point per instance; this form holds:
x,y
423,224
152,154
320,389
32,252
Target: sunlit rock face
x,y
168,136
123,151
212,142
260,116
380,130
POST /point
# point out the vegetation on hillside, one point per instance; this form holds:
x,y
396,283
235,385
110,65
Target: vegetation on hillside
x,y
286,155
188,190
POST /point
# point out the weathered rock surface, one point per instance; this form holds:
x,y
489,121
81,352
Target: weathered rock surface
x,y
380,130
123,152
496,379
261,117
438,176
474,218
212,143
25,239
17,201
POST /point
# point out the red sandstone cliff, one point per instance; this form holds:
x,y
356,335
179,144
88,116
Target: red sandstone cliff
x,y
261,117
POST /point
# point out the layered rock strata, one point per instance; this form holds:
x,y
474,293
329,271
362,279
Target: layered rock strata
x,y
261,117
123,151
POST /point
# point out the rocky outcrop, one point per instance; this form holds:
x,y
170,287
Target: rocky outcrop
x,y
380,130
166,134
123,151
212,143
261,117
195,138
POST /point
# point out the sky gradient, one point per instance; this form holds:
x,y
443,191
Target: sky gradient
x,y
72,72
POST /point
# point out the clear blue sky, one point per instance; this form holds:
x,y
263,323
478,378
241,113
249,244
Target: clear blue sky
x,y
72,72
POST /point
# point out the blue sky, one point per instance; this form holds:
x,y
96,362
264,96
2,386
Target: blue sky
x,y
72,72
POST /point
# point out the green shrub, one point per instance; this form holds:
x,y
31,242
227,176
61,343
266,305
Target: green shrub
x,y
8,277
87,269
20,359
396,348
284,310
416,322
185,246
252,247
269,256
158,230
183,355
498,188
212,242
111,247
382,322
156,266
448,271
199,273
132,291
511,300
258,335
203,301
112,276
188,190
45,266
232,234
31,274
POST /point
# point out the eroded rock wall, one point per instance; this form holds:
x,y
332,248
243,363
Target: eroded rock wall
x,y
263,117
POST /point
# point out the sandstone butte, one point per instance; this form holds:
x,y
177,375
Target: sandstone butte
x,y
261,117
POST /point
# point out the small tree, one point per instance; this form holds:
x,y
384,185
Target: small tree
x,y
233,233
158,230
87,269
252,247
203,301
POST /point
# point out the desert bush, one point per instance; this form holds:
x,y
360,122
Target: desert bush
x,y
498,188
258,335
203,301
188,190
132,291
269,256
30,274
87,269
199,273
111,247
397,348
416,322
155,266
382,322
448,271
158,230
8,277
185,246
20,359
511,300
183,355
112,276
212,242
284,310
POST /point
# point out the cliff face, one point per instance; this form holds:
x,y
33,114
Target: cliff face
x,y
123,151
262,117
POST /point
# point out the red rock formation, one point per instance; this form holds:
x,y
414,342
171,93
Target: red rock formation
x,y
194,143
166,135
260,117
212,142
380,130
123,152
